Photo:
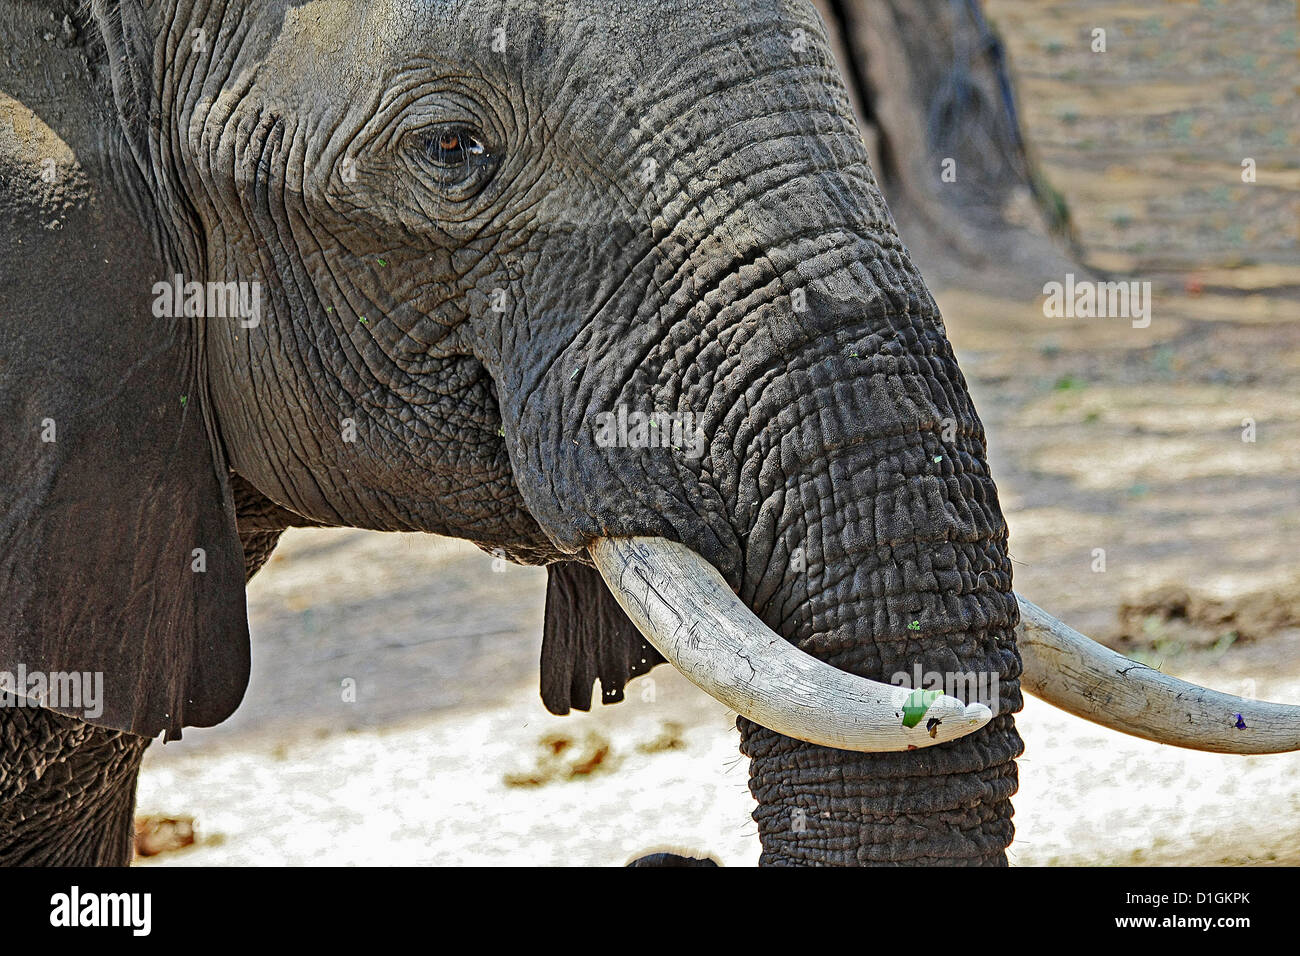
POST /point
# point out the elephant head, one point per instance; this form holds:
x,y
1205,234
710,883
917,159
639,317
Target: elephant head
x,y
613,292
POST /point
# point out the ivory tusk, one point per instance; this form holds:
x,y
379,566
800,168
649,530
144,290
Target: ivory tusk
x,y
1075,673
686,610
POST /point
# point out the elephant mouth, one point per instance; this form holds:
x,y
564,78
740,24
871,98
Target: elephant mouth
x,y
685,609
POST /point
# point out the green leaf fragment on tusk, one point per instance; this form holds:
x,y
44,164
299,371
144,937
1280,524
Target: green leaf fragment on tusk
x,y
917,703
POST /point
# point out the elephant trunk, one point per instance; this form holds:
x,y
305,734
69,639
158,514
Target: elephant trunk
x,y
843,493
879,547
942,805
766,381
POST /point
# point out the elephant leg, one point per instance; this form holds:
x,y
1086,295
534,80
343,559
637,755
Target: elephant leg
x,y
67,790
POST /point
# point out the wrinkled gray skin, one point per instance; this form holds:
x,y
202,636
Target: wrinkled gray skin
x,y
664,181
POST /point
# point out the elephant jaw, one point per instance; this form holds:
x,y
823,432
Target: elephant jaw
x,y
686,610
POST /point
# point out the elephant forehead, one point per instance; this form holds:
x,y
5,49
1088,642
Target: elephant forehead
x,y
347,40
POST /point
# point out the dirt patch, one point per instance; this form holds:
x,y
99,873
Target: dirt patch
x,y
562,758
155,835
1175,616
669,738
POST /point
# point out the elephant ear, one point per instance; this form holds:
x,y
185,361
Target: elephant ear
x,y
586,635
119,555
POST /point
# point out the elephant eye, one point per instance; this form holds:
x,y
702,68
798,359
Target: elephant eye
x,y
456,158
455,148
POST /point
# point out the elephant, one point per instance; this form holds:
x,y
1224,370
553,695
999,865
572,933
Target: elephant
x,y
615,293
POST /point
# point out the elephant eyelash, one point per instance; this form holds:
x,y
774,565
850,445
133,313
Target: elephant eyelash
x,y
458,158
452,147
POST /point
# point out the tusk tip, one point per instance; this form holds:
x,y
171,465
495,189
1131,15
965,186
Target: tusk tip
x,y
1075,673
948,718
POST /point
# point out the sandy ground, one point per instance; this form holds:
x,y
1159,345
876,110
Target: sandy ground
x,y
1101,436
412,773
435,792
